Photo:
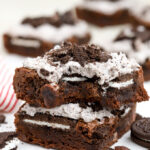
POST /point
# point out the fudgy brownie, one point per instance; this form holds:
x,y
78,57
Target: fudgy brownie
x,y
105,12
134,41
72,127
114,12
34,36
85,73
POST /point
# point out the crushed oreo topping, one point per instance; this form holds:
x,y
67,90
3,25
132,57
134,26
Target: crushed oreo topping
x,y
86,61
56,20
82,54
44,72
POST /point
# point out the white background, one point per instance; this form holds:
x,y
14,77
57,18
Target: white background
x,y
12,11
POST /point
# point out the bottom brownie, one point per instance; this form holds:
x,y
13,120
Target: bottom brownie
x,y
51,129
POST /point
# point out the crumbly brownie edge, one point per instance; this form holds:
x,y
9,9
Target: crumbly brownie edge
x,y
126,121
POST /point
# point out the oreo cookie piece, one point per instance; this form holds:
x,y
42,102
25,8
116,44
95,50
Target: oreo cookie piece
x,y
8,140
140,132
2,118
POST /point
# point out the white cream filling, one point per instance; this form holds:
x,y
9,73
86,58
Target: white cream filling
x,y
108,7
119,85
44,123
11,144
105,71
25,42
50,33
127,110
73,111
74,79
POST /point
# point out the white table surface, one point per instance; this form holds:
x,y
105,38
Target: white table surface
x,y
12,11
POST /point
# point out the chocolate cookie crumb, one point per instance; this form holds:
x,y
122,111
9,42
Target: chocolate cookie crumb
x,y
2,118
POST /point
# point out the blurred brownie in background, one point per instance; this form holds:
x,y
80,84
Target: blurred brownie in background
x,y
35,36
104,12
114,12
135,43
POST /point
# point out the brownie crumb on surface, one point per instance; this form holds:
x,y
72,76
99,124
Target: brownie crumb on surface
x,y
2,119
6,137
119,148
15,148
138,116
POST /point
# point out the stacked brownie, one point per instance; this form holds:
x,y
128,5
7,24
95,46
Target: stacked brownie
x,y
77,97
114,12
135,43
34,36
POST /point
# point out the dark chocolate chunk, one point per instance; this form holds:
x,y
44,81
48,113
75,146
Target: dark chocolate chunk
x,y
6,136
140,132
44,72
2,118
50,95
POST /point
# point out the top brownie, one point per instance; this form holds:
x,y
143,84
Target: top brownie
x,y
80,74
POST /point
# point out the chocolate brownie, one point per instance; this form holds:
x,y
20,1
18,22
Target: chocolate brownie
x,y
85,73
7,140
134,41
114,12
140,132
71,127
105,12
34,36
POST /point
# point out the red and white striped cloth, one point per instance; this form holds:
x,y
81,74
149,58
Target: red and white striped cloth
x,y
8,101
